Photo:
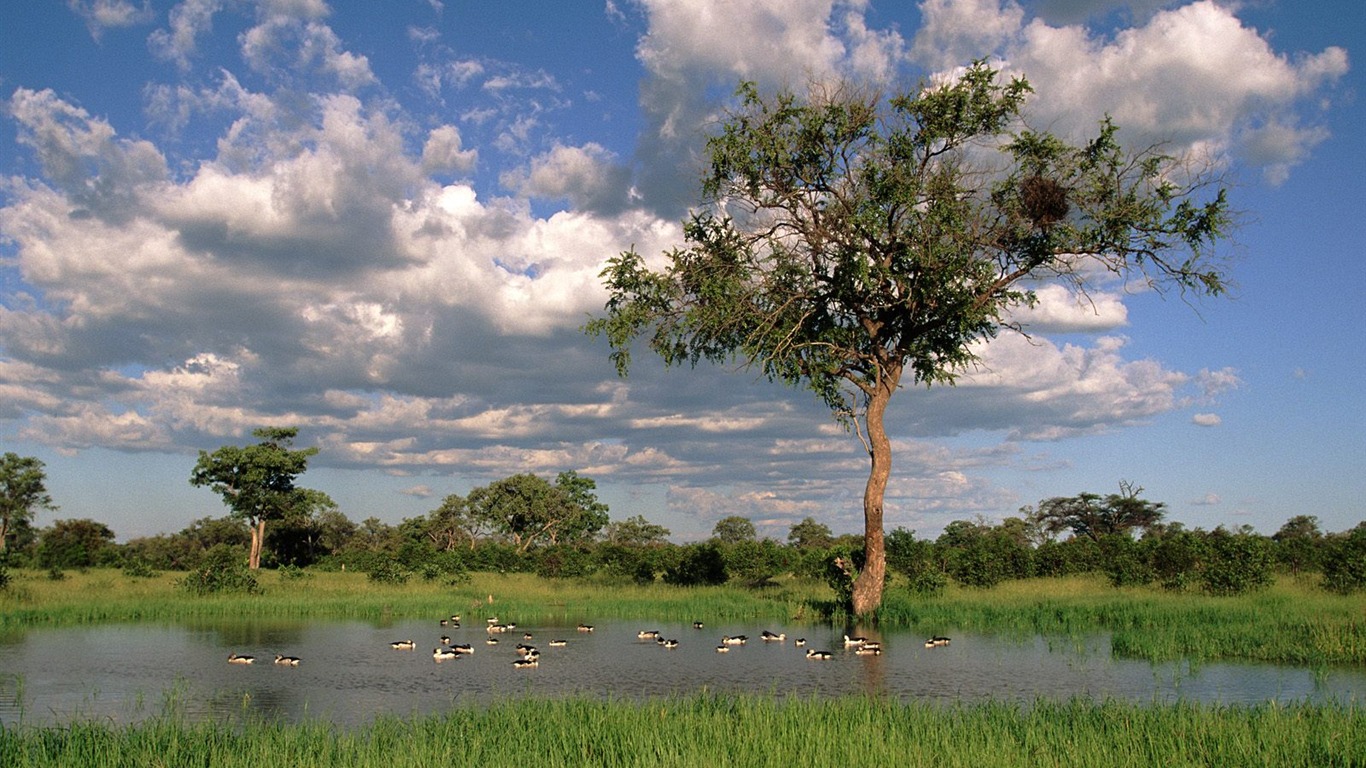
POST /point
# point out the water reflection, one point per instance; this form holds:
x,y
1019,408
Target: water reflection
x,y
350,675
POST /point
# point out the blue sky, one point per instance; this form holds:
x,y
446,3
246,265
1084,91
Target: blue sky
x,y
383,223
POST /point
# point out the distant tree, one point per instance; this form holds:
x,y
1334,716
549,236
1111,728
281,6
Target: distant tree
x,y
299,539
530,511
451,525
1299,544
809,534
257,481
851,242
23,491
635,532
73,544
734,529
1094,517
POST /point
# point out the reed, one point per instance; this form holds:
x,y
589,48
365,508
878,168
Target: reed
x,y
1291,622
709,729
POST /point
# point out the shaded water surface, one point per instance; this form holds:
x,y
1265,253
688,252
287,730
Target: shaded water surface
x,y
349,674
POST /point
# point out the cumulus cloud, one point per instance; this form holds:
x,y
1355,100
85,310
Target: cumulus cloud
x,y
100,15
335,261
1193,77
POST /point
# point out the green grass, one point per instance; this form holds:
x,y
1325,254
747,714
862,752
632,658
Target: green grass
x,y
711,730
1292,622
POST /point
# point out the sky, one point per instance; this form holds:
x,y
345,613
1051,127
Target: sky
x,y
384,223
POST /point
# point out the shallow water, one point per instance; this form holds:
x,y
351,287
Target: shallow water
x,y
349,674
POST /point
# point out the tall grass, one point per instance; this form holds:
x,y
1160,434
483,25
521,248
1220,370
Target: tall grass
x,y
710,730
1291,622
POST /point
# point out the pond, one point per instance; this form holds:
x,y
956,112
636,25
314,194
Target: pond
x,y
349,674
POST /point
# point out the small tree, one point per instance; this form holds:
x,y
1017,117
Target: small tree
x,y
257,481
23,491
530,511
734,529
809,534
635,532
850,244
73,544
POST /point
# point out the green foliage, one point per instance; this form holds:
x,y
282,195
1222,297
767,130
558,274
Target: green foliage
x,y
700,565
73,544
1125,562
293,573
563,561
23,491
1344,562
1092,516
755,563
635,532
529,511
734,529
388,571
256,481
915,559
809,534
982,556
223,569
137,568
1237,562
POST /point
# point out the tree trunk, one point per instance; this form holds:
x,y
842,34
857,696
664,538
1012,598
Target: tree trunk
x,y
258,536
867,595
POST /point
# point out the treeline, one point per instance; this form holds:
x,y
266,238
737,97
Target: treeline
x,y
524,523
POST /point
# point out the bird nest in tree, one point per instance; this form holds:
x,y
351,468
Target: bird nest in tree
x,y
1044,200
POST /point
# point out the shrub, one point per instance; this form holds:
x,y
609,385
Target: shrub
x,y
1344,562
1236,563
137,568
389,571
562,561
222,569
702,564
1125,562
916,560
292,573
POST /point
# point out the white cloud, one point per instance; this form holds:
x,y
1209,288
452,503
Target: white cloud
x,y
188,21
100,15
1206,420
1193,76
443,152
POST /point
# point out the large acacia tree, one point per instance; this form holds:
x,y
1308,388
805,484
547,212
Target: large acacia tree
x,y
257,482
849,243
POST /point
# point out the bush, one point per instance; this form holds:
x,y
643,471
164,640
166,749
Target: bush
x,y
1344,562
1236,563
292,573
562,561
1125,562
389,571
701,564
222,569
137,568
916,560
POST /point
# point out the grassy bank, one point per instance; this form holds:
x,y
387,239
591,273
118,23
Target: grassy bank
x,y
708,730
1292,622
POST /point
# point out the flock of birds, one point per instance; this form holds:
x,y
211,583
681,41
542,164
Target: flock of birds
x,y
529,656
